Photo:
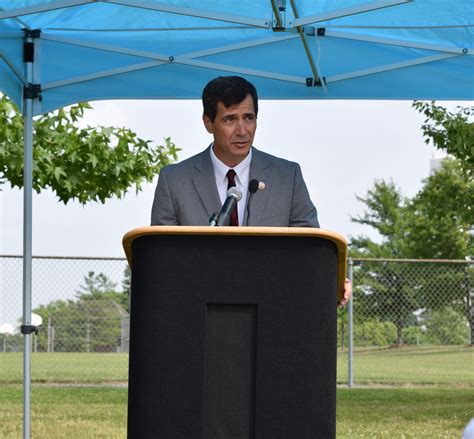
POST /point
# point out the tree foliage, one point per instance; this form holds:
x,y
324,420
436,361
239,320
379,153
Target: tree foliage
x,y
375,333
84,164
452,132
92,322
446,326
434,224
440,218
100,287
385,207
387,293
437,223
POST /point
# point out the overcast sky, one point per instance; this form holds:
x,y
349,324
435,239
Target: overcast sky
x,y
342,147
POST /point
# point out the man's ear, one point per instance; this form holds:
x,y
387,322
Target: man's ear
x,y
208,124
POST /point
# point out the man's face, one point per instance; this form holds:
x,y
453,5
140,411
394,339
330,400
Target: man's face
x,y
233,130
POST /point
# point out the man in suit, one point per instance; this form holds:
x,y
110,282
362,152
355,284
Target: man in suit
x,y
188,193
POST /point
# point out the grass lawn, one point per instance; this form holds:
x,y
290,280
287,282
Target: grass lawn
x,y
403,412
65,367
440,365
65,412
100,412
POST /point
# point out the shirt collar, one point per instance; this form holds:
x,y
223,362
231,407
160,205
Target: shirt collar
x,y
220,168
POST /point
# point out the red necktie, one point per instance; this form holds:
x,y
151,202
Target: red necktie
x,y
234,216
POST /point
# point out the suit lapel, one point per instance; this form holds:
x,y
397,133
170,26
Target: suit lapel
x,y
260,170
204,183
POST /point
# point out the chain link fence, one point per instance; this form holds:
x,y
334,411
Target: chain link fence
x,y
82,305
412,302
412,321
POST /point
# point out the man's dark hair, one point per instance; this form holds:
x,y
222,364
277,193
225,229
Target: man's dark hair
x,y
230,90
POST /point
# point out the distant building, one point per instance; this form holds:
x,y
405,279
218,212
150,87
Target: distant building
x,y
436,161
435,164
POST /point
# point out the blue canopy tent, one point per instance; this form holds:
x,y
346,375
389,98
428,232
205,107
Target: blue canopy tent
x,y
308,49
57,52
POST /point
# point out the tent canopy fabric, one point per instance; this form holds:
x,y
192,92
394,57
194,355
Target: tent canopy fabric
x,y
58,52
301,49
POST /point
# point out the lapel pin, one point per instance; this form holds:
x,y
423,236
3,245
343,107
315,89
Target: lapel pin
x,y
261,185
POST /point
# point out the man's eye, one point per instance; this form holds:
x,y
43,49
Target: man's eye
x,y
250,117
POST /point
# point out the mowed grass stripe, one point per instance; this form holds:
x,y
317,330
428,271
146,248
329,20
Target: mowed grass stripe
x,y
394,366
65,412
452,365
88,412
403,413
66,367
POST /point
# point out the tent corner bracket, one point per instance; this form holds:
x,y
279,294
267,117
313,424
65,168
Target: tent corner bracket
x,y
279,15
278,28
311,82
29,329
311,31
32,33
32,91
29,45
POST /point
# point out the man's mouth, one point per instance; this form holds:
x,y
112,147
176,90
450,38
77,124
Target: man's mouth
x,y
240,144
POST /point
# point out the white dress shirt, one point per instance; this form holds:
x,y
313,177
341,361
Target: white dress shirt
x,y
242,171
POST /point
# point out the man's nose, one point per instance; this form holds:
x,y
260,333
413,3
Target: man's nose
x,y
240,128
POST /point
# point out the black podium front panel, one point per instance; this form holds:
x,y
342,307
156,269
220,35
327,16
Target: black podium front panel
x,y
232,337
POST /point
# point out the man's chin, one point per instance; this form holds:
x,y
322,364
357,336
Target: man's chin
x,y
241,150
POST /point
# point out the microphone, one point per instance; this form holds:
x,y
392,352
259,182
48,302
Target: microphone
x,y
253,187
233,196
213,219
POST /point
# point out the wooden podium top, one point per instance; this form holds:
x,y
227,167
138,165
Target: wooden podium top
x,y
336,238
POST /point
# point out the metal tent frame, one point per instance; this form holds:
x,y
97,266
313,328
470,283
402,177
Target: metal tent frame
x,y
30,33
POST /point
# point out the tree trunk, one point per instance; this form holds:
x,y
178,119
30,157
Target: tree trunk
x,y
399,326
342,328
470,315
469,304
471,326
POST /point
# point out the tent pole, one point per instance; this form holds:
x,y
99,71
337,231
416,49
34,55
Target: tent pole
x,y
27,327
350,316
27,259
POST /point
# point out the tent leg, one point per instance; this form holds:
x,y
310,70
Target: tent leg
x,y
27,261
350,363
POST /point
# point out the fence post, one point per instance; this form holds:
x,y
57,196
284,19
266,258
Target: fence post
x,y
350,378
48,349
470,301
88,337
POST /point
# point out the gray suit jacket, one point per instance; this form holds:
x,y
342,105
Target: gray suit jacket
x,y
187,194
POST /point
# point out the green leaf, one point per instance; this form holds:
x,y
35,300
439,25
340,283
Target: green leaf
x,y
92,160
87,164
58,173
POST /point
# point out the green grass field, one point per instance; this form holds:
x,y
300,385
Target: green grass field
x,y
452,366
440,365
66,367
382,413
427,393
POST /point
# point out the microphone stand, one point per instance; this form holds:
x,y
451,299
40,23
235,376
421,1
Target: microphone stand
x,y
214,219
253,187
248,208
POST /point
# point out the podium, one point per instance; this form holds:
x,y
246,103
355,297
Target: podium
x,y
233,332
